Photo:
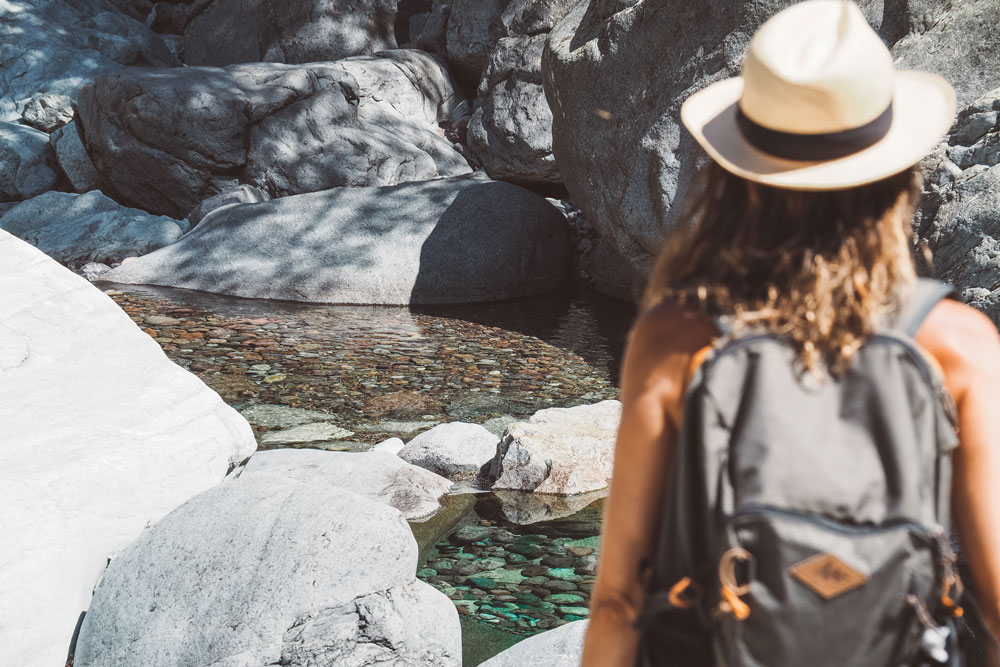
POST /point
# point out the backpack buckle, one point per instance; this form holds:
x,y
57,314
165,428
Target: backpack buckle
x,y
685,593
731,588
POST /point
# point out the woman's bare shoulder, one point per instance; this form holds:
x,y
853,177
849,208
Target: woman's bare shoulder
x,y
669,328
661,343
963,340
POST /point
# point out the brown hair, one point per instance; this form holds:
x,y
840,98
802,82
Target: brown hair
x,y
820,266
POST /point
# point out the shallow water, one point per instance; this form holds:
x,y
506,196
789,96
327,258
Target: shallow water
x,y
515,564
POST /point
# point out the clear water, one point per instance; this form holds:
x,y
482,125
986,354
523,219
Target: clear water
x,y
514,564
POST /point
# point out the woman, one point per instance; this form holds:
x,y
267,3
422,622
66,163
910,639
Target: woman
x,y
801,224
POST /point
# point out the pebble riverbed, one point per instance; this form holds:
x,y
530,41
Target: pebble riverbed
x,y
346,377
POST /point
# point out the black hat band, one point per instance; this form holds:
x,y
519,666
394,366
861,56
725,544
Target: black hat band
x,y
814,147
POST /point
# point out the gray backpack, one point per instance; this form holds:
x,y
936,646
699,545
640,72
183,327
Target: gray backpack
x,y
806,523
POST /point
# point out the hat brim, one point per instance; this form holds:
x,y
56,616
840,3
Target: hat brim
x,y
922,112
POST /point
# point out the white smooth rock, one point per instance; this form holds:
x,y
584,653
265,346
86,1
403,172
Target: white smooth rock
x,y
454,449
100,436
559,647
378,475
392,445
266,570
559,450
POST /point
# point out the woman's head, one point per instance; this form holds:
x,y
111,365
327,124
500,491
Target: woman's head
x,y
820,266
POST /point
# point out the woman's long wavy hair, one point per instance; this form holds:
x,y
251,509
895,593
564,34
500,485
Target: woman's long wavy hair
x,y
820,266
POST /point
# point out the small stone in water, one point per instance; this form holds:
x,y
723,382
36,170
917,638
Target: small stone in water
x,y
470,534
564,598
277,377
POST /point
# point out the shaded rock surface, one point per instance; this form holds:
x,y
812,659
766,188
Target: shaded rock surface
x,y
959,218
442,241
454,449
322,576
560,647
617,71
381,476
559,450
58,46
225,32
75,228
79,489
27,164
165,140
73,159
511,132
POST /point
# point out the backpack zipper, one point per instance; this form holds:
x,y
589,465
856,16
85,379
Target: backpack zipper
x,y
745,513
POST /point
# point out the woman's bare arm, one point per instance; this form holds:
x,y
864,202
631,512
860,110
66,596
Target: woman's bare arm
x,y
657,355
966,344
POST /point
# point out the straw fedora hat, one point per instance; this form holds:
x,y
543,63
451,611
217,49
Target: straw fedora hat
x,y
818,104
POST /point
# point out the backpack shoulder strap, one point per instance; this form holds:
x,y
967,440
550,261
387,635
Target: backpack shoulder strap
x,y
925,295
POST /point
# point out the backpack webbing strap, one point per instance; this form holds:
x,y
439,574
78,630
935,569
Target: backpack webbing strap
x,y
926,293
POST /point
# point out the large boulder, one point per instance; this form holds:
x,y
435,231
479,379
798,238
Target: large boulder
x,y
378,475
960,40
164,140
226,32
75,229
559,450
497,46
959,218
58,46
455,450
27,162
102,436
264,570
511,131
560,647
444,241
617,71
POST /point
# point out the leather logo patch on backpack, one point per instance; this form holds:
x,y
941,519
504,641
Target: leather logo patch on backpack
x,y
828,575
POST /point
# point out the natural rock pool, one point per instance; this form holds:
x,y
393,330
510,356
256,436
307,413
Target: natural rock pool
x,y
346,377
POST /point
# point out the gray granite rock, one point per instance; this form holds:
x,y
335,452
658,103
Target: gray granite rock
x,y
474,26
511,132
47,111
27,163
265,569
58,46
80,474
378,475
286,129
93,271
225,32
73,158
960,41
243,194
444,241
453,450
75,228
959,218
560,647
617,71
560,451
